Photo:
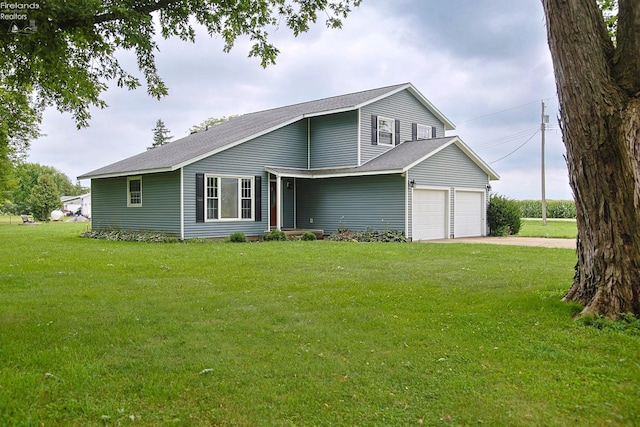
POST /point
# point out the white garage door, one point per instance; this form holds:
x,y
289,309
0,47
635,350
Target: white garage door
x,y
429,215
468,215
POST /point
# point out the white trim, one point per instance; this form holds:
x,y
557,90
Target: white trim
x,y
466,150
359,138
269,179
129,173
393,131
448,125
239,178
181,203
278,203
493,176
308,143
483,208
447,207
408,191
314,175
429,129
129,179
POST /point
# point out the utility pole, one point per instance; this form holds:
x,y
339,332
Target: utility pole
x,y
543,120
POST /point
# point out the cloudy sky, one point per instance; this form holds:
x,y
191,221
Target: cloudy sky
x,y
484,63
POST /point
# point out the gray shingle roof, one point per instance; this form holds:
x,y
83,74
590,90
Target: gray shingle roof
x,y
397,160
199,145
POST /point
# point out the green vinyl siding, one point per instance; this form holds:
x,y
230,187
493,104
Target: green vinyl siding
x,y
449,169
356,203
159,212
334,140
285,147
401,106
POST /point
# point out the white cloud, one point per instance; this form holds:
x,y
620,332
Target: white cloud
x,y
472,59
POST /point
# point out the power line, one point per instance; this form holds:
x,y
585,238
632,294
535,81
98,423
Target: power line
x,y
506,139
522,145
503,111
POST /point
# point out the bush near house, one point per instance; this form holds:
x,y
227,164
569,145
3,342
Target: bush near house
x,y
555,208
503,216
369,235
308,236
277,235
238,237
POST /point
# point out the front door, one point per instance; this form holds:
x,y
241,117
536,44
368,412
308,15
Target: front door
x,y
273,202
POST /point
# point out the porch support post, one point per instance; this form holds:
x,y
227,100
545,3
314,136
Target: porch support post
x,y
278,202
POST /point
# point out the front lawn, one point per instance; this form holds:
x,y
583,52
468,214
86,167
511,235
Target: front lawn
x,y
555,228
300,333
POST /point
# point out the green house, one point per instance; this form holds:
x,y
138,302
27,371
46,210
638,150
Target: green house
x,y
375,159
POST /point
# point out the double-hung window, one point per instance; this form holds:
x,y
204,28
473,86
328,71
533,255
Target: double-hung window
x,y
134,191
424,132
386,131
229,198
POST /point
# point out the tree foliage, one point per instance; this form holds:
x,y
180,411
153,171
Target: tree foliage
x,y
27,175
19,120
211,121
70,57
609,10
160,135
44,198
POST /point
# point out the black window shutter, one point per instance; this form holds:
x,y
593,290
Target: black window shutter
x,y
433,131
398,132
199,197
374,130
258,199
414,131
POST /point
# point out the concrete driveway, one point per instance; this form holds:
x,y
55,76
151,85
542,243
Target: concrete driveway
x,y
514,241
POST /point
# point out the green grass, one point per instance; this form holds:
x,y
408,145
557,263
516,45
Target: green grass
x,y
555,228
300,333
11,219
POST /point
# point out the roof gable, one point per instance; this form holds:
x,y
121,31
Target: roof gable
x,y
222,136
399,159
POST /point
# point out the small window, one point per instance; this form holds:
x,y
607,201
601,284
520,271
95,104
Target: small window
x,y
386,131
229,198
424,132
134,191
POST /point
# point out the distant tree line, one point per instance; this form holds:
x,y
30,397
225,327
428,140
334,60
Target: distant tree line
x,y
36,189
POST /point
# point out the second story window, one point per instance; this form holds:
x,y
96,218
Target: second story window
x,y
386,131
424,132
419,131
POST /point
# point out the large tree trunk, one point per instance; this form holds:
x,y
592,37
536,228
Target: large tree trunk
x,y
599,91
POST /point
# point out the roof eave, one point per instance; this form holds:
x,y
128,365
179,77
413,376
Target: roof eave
x,y
320,175
127,173
448,124
493,175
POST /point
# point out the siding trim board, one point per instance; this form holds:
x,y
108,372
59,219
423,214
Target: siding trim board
x,y
181,204
466,150
318,174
